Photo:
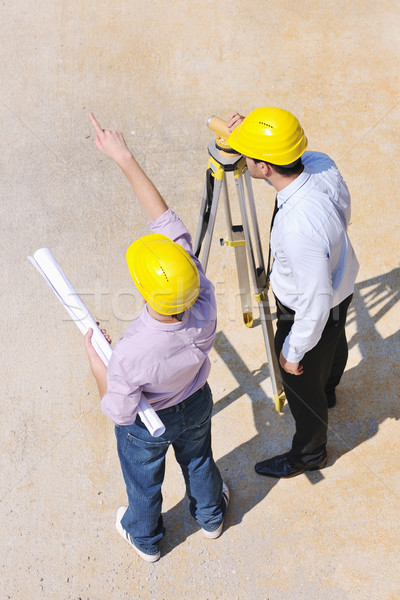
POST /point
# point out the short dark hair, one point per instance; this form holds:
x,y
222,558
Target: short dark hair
x,y
293,169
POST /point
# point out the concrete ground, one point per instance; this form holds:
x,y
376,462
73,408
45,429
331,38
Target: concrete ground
x,y
157,71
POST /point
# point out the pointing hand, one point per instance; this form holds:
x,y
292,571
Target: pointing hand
x,y
110,143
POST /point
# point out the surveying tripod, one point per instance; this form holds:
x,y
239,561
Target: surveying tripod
x,y
224,160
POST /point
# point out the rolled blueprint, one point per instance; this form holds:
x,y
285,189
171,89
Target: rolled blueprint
x,y
49,268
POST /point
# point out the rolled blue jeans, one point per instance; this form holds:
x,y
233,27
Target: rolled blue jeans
x,y
142,458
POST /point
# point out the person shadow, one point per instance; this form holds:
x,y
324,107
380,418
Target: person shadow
x,y
366,397
368,393
236,467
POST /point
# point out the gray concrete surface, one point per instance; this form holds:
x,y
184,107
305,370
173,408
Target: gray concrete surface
x,y
157,71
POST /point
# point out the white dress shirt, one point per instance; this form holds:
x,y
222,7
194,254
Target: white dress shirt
x,y
315,266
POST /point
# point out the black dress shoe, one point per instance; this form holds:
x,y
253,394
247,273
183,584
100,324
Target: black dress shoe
x,y
286,466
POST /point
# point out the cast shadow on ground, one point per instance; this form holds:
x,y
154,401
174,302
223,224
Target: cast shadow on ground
x,y
366,397
368,393
237,467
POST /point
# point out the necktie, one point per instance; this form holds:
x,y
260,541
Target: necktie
x,y
270,229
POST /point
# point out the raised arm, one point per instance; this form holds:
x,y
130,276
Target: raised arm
x,y
113,145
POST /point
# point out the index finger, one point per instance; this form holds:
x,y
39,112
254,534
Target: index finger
x,y
95,124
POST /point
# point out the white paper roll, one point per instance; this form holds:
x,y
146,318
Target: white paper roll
x,y
49,268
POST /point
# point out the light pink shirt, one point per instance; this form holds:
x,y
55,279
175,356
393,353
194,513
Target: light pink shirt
x,y
165,362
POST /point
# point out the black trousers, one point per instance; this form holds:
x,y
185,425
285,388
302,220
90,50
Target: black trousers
x,y
307,393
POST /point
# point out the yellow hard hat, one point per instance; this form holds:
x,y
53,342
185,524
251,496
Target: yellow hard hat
x,y
164,273
270,134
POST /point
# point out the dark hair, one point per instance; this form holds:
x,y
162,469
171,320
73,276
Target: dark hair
x,y
292,169
179,316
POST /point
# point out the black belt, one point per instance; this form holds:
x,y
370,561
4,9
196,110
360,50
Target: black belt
x,y
333,313
284,309
181,405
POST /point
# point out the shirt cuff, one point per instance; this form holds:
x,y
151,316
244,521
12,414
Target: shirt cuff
x,y
290,354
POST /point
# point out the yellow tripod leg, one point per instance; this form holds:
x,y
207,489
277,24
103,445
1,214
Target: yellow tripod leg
x,y
279,400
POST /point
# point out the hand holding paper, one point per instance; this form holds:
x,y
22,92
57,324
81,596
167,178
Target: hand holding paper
x,y
99,369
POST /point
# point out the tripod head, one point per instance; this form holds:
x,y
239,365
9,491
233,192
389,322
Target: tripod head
x,y
222,134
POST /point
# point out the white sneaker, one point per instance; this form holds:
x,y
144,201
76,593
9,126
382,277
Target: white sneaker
x,y
119,514
212,535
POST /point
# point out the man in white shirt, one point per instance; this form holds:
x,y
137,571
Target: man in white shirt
x,y
312,276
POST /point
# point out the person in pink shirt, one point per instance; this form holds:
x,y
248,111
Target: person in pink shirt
x,y
164,356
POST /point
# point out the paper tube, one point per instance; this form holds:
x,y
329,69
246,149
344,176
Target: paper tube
x,y
49,268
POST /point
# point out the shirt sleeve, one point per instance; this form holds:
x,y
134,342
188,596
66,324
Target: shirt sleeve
x,y
172,226
120,403
309,264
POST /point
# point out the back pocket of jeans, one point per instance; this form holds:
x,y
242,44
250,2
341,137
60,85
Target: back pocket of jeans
x,y
142,451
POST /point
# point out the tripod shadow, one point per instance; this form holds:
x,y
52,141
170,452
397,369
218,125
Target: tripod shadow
x,y
366,397
368,393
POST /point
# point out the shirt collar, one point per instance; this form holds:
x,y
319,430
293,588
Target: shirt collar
x,y
154,324
284,195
